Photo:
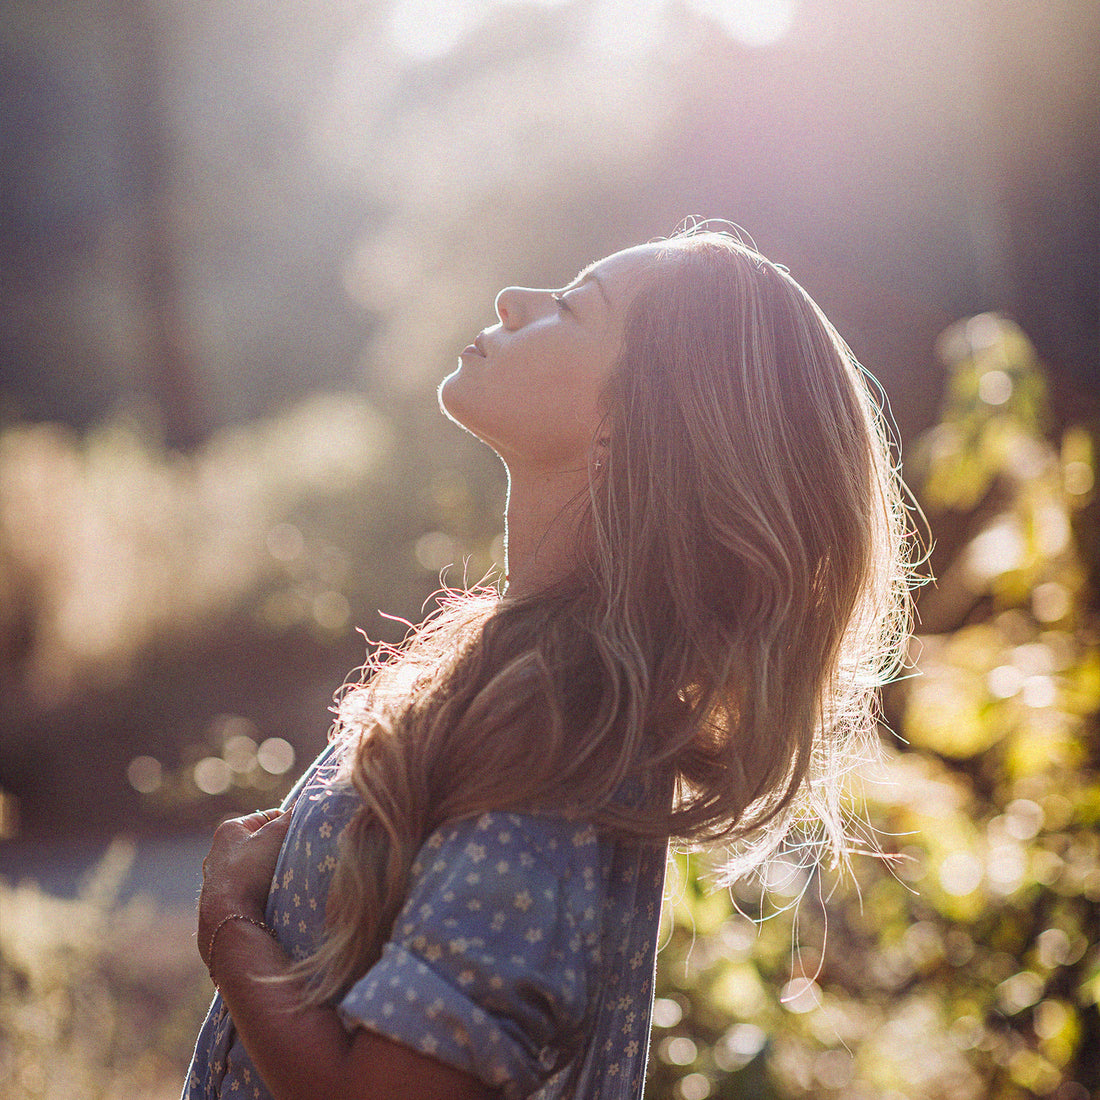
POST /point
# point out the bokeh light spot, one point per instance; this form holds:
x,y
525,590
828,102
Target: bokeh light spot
x,y
1004,681
435,551
1007,867
1053,948
331,610
996,550
959,947
739,1046
1077,478
995,387
213,775
1050,602
240,753
785,878
144,774
967,1032
1033,1071
1033,658
1050,1018
1039,692
275,756
1053,529
1019,992
285,542
1023,818
833,1068
666,1012
695,1086
983,332
282,609
800,995
678,1050
922,943
961,874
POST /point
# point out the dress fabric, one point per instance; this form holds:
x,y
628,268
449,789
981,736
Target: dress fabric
x,y
524,953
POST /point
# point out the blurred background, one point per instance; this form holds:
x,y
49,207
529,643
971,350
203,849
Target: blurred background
x,y
240,243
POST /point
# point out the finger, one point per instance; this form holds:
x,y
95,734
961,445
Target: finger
x,y
276,822
256,820
280,821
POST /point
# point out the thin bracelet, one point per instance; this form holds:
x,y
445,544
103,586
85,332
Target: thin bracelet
x,y
214,937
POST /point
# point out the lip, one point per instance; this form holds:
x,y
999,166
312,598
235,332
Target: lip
x,y
476,348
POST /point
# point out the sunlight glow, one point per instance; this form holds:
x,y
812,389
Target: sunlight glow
x,y
426,29
624,28
754,23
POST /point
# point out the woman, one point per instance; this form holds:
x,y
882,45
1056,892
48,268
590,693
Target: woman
x,y
705,584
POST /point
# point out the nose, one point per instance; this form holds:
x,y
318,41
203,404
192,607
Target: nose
x,y
516,305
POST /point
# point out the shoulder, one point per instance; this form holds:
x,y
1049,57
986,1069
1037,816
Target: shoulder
x,y
537,866
528,839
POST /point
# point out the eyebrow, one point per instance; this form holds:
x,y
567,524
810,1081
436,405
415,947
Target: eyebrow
x,y
592,277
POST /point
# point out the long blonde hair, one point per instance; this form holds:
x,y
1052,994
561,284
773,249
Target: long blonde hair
x,y
742,590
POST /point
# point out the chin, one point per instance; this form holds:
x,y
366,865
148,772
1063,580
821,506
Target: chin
x,y
464,413
450,400
453,405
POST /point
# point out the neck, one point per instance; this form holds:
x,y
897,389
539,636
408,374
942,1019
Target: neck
x,y
540,527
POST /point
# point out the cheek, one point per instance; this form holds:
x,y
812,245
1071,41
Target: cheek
x,y
539,405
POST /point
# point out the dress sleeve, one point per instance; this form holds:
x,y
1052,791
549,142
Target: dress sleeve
x,y
495,954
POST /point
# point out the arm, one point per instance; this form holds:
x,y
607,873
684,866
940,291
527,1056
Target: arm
x,y
301,1053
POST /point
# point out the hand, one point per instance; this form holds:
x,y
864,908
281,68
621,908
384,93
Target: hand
x,y
237,871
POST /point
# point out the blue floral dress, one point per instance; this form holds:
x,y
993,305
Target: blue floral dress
x,y
524,953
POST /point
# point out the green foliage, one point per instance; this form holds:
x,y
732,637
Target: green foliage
x,y
965,966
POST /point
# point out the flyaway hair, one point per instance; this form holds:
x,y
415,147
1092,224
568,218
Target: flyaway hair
x,y
742,592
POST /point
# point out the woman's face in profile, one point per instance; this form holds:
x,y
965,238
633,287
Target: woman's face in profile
x,y
530,386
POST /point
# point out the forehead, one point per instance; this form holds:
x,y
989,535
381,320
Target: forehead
x,y
622,273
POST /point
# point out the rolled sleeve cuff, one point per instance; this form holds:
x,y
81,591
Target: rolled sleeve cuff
x,y
404,999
